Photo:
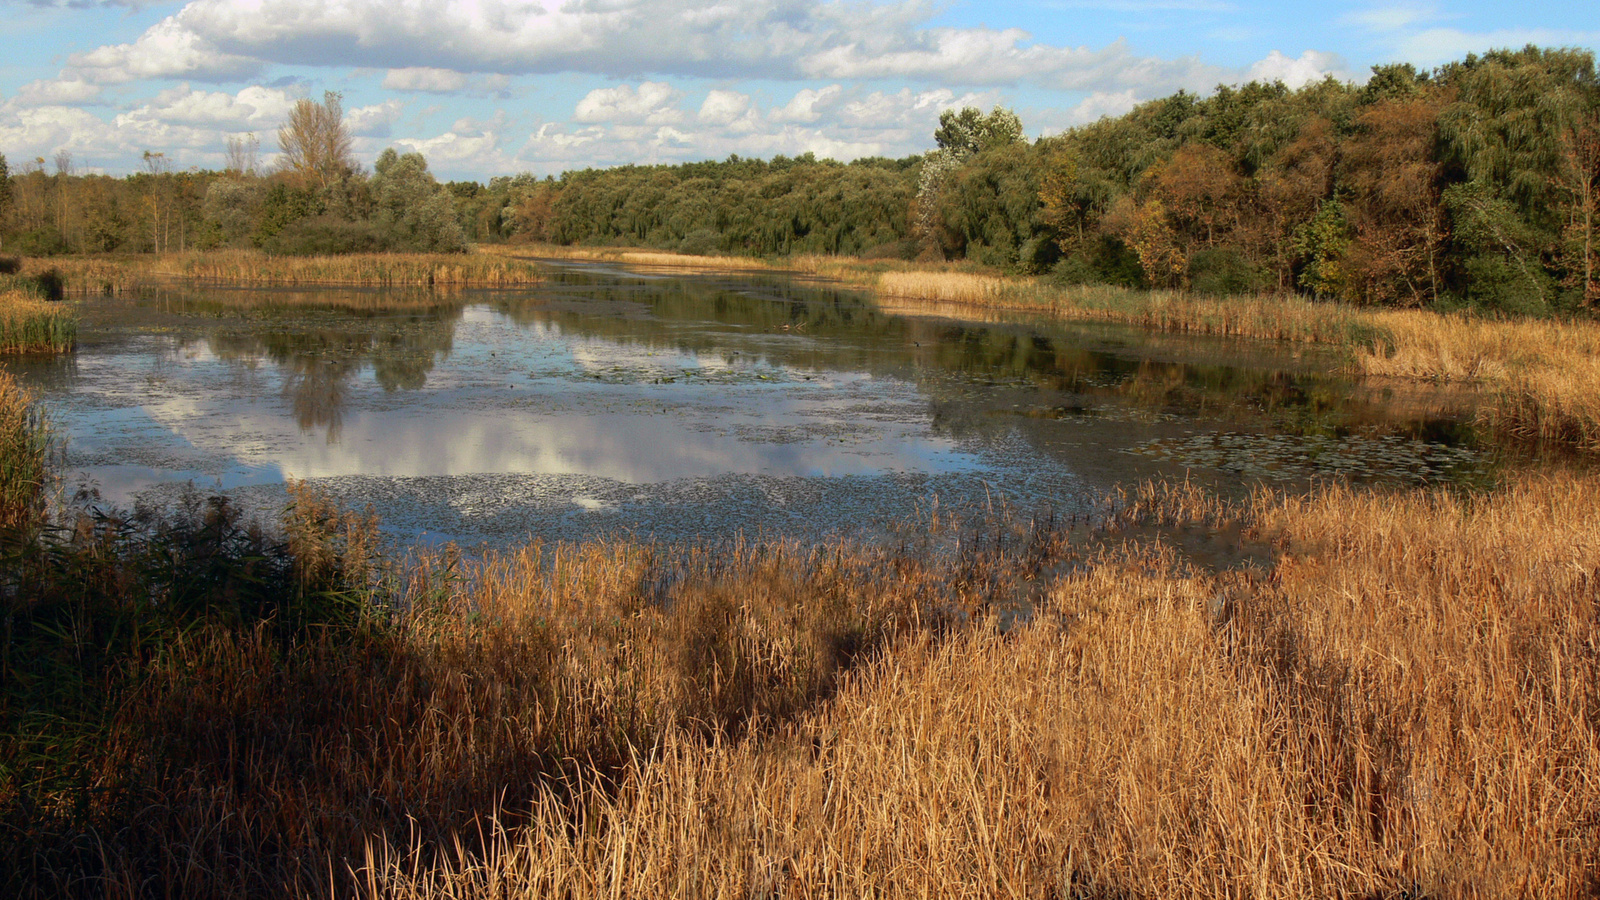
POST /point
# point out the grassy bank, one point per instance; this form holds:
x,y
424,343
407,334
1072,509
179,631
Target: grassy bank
x,y
1404,704
128,274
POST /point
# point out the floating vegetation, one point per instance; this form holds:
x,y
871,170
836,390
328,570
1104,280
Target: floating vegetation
x,y
1287,457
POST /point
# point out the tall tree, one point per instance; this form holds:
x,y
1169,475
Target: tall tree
x,y
1393,182
315,142
416,210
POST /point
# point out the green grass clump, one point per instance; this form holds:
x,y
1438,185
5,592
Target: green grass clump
x,y
31,324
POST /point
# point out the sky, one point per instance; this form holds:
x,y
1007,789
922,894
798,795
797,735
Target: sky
x,y
499,87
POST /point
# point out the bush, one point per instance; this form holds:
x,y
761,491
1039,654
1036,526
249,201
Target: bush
x,y
1223,272
700,242
327,236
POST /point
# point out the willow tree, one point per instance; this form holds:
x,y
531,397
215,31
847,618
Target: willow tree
x,y
1505,137
315,142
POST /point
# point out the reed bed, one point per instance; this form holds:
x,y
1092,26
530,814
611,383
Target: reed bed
x,y
26,441
376,269
1408,706
31,325
107,275
1407,703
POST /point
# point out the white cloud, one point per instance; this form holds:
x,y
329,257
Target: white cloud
x,y
254,108
724,108
1099,105
652,102
1440,45
467,146
168,49
57,91
808,105
376,120
1390,18
424,79
427,45
1310,66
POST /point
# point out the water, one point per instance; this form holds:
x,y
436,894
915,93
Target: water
x,y
685,407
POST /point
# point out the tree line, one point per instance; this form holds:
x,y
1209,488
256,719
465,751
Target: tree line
x,y
316,199
1475,183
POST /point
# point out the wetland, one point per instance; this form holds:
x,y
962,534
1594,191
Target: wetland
x,y
674,406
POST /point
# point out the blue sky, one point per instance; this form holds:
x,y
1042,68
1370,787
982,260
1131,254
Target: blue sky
x,y
494,87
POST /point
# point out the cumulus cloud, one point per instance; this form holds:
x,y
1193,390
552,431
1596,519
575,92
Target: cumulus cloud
x,y
427,46
168,49
724,108
808,105
652,102
252,109
58,91
376,120
1101,104
1310,66
426,80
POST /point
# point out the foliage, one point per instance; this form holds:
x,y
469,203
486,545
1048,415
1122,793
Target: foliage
x,y
316,143
417,213
1475,183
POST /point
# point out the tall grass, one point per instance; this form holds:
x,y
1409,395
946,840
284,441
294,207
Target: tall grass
x,y
124,275
379,269
1405,703
1406,706
25,456
31,325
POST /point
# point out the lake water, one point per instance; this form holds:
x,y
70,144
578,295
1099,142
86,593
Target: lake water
x,y
691,406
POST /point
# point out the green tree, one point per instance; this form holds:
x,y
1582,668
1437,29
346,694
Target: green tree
x,y
970,131
414,211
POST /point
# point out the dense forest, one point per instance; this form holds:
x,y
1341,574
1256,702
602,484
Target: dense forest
x,y
1471,184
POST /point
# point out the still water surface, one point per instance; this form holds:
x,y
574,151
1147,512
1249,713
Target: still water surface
x,y
683,406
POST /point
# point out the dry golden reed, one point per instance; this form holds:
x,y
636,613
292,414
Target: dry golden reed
x,y
378,269
32,325
1408,705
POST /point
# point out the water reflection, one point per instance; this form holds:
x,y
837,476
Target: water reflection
x,y
658,402
322,339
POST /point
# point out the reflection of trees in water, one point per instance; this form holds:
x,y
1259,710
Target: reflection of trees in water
x,y
319,351
947,359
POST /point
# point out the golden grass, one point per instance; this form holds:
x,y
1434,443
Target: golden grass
x,y
1409,705
129,274
102,274
31,325
378,269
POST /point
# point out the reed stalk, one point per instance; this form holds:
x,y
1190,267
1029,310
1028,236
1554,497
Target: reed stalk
x,y
31,325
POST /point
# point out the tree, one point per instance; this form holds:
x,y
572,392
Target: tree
x,y
970,131
1392,180
241,155
315,142
415,210
5,189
